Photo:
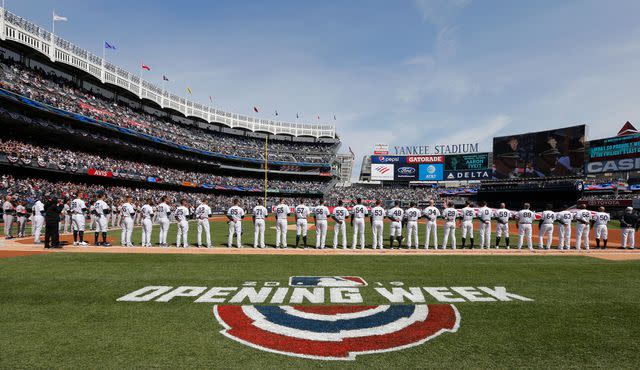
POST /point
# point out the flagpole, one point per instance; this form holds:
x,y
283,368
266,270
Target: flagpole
x,y
266,160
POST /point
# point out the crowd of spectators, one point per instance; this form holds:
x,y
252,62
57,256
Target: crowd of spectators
x,y
65,158
61,93
369,194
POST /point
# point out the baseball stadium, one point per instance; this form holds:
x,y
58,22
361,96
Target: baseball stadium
x,y
143,228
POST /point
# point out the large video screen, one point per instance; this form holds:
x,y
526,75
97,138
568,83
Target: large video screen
x,y
620,153
559,152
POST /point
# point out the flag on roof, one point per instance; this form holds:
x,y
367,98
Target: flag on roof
x,y
627,129
58,18
276,112
109,46
297,115
164,78
210,99
189,90
144,66
255,109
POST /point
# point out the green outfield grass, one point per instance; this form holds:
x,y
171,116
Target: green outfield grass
x,y
60,311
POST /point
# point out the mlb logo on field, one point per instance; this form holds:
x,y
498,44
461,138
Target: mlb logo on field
x,y
328,281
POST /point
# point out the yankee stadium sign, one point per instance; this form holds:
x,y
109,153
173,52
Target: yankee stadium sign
x,y
294,318
436,149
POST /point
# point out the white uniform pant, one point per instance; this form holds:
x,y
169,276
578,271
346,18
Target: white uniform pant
x,y
235,228
340,229
258,234
377,229
66,224
396,228
412,234
502,230
524,231
321,233
147,225
358,232
182,237
164,230
22,225
432,229
485,234
302,226
8,222
449,232
582,230
628,237
37,223
281,232
203,225
102,224
77,222
467,227
127,230
546,230
602,232
564,236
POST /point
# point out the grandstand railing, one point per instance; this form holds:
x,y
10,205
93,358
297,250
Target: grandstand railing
x,y
15,28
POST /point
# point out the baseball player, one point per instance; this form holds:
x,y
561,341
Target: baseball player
x,y
396,215
92,216
302,223
583,217
629,225
66,217
114,215
358,213
101,212
182,217
8,212
235,214
203,212
320,214
602,230
37,220
485,214
545,227
431,213
340,227
163,210
468,214
564,218
78,209
525,218
128,212
146,213
258,215
502,226
412,215
377,225
449,214
282,212
21,218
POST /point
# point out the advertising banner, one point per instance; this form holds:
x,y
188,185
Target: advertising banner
x,y
381,149
101,173
462,162
431,172
614,154
382,172
466,175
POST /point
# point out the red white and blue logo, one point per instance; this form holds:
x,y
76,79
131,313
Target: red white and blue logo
x,y
335,332
327,281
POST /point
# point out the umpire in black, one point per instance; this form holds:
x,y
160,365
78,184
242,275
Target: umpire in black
x,y
52,210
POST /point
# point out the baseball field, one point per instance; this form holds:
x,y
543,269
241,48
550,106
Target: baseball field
x,y
139,310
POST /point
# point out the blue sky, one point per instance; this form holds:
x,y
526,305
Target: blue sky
x,y
399,72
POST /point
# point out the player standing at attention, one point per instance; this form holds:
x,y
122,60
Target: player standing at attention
x,y
320,214
431,213
302,223
485,214
163,211
101,211
377,225
235,214
203,211
468,214
502,227
357,223
8,212
182,217
583,216
564,233
258,215
449,214
396,215
64,226
412,215
545,227
147,222
340,227
21,217
78,209
128,212
37,220
602,230
628,224
525,219
282,213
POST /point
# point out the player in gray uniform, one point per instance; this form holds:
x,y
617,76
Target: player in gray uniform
x,y
101,211
21,217
8,212
37,220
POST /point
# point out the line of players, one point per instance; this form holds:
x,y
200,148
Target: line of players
x,y
101,213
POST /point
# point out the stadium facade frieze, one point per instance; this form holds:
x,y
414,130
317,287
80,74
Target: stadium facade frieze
x,y
436,149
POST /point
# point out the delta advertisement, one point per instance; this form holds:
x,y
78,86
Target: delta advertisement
x,y
614,154
430,167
